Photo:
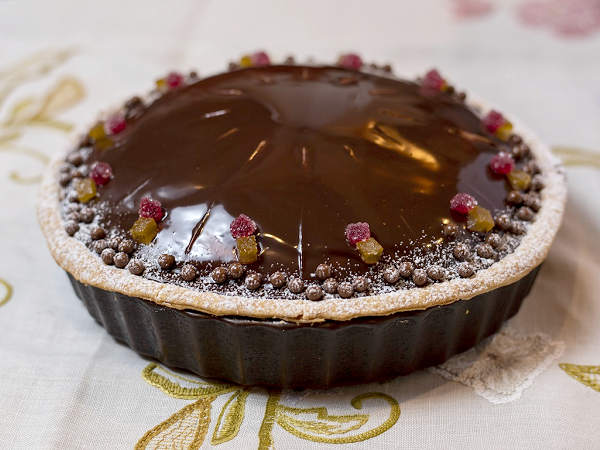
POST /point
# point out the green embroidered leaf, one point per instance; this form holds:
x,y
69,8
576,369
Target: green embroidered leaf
x,y
320,423
176,390
8,294
588,375
231,417
184,430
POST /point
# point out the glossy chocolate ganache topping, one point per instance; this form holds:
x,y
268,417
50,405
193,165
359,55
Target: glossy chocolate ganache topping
x,y
303,152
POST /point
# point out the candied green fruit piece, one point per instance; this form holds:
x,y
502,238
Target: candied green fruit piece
x,y
86,190
246,61
98,132
370,250
504,131
247,250
144,230
519,180
480,219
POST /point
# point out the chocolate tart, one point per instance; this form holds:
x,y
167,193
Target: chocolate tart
x,y
298,153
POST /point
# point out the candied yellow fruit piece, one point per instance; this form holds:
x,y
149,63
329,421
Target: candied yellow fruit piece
x,y
98,132
370,250
519,180
144,230
247,250
480,219
246,61
161,84
86,190
504,131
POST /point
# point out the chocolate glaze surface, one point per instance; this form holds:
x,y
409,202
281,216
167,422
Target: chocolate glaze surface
x,y
303,151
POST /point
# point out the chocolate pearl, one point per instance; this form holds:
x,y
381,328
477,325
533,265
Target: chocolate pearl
x,y
360,284
296,285
75,216
219,275
232,66
330,285
515,139
450,230
133,102
136,267
64,179
166,261
386,68
235,270
194,75
419,277
461,251
75,158
461,96
465,270
503,221
121,259
108,256
495,240
82,172
188,272
65,168
314,293
372,66
253,281
406,269
73,207
323,271
97,233
532,168
514,197
127,246
114,242
391,275
525,213
76,174
536,183
71,227
87,215
436,273
520,151
100,245
73,197
277,279
289,61
533,201
449,90
85,141
345,289
485,251
518,228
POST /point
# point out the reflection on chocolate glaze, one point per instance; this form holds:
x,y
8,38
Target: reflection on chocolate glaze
x,y
303,152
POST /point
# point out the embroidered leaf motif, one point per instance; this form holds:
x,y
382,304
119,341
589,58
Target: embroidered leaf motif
x,y
577,157
327,425
588,375
231,417
184,430
176,390
8,288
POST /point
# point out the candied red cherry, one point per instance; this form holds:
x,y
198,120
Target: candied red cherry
x,y
350,61
260,59
462,203
502,163
115,124
357,232
101,173
433,80
242,226
174,79
150,209
495,123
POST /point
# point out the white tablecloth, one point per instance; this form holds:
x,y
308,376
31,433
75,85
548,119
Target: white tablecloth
x,y
66,384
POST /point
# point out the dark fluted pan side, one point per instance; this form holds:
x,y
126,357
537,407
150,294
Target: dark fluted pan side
x,y
276,353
